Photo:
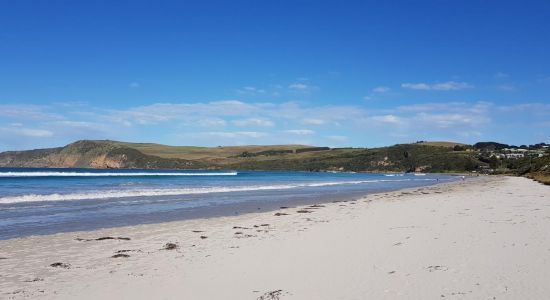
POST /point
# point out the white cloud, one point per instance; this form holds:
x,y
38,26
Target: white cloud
x,y
212,122
253,122
28,112
78,124
446,120
416,86
298,86
445,106
337,138
33,132
388,119
534,108
251,90
134,85
302,88
237,134
381,89
300,131
443,86
314,122
26,132
164,112
163,122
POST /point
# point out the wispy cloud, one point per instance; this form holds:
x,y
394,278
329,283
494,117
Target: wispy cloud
x,y
28,112
251,90
299,86
253,122
236,134
387,119
229,122
212,122
443,86
381,89
302,88
337,138
27,132
310,121
300,131
507,87
534,108
501,75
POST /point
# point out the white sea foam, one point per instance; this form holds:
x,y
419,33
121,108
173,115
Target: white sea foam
x,y
110,194
108,174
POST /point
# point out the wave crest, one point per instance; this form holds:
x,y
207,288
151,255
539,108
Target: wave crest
x,y
109,174
110,194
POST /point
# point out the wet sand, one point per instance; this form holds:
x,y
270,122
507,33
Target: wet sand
x,y
479,239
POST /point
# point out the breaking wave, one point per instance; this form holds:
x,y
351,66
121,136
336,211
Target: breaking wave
x,y
109,174
110,194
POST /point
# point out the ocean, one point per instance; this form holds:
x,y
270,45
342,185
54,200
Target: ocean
x,y
45,201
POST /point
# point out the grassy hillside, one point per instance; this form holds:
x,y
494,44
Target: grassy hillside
x,y
202,153
92,154
441,144
417,157
398,158
112,154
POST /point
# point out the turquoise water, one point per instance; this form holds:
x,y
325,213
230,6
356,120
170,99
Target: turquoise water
x,y
44,201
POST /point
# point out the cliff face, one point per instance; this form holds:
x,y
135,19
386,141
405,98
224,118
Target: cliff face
x,y
91,154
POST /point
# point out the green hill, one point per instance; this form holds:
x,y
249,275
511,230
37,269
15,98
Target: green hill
x,y
92,154
437,157
114,154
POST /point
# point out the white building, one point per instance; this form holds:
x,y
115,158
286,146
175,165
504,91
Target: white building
x,y
514,155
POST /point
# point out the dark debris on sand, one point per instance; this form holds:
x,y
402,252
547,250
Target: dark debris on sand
x,y
103,238
273,295
112,238
120,255
280,214
240,227
60,265
170,246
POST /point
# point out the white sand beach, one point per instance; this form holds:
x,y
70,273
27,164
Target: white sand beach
x,y
481,239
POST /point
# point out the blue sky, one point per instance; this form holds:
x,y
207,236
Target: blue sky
x,y
336,73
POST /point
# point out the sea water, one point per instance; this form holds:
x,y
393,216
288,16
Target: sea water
x,y
45,201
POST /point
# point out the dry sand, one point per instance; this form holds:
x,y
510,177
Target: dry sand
x,y
483,239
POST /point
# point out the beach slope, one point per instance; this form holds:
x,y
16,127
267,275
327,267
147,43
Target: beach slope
x,y
479,239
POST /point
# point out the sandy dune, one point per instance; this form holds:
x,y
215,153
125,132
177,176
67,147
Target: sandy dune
x,y
480,239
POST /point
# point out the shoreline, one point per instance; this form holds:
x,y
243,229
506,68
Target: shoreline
x,y
251,255
252,209
215,211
